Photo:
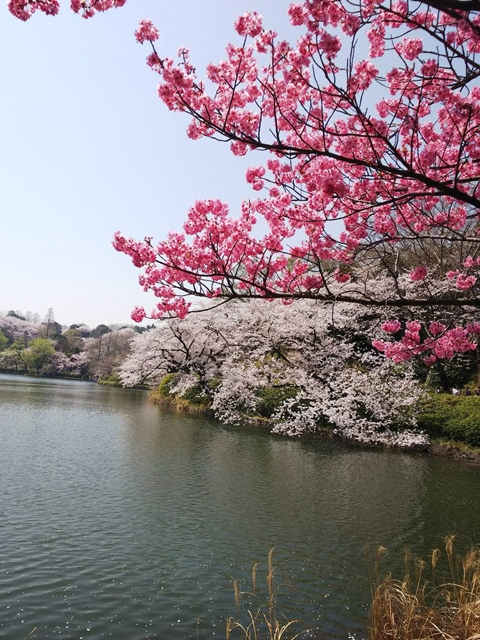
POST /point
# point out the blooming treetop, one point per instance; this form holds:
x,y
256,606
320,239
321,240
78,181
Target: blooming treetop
x,y
17,329
372,165
193,349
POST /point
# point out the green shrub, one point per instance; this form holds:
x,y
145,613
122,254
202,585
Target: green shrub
x,y
166,384
195,395
271,398
214,384
452,417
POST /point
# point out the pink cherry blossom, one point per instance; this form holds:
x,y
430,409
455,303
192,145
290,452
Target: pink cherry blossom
x,y
464,282
24,9
341,277
419,273
250,24
138,314
391,326
146,31
410,48
436,328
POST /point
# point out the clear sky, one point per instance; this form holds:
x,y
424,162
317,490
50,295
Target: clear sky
x,y
87,149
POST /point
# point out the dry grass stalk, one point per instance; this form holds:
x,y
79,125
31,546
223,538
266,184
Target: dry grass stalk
x,y
417,609
266,622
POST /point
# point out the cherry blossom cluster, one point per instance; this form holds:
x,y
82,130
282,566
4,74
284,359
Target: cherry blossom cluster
x,y
75,364
24,9
18,329
146,31
434,341
232,354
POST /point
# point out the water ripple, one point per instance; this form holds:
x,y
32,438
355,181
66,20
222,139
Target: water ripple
x,y
120,520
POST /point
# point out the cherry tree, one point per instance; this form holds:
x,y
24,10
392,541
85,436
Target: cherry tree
x,y
193,349
320,363
302,366
106,353
75,365
371,166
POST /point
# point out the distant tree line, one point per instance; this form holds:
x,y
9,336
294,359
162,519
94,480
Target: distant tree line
x,y
35,346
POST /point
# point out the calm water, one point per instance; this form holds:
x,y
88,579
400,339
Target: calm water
x,y
122,520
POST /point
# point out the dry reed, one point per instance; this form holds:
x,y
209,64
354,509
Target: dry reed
x,y
417,608
266,621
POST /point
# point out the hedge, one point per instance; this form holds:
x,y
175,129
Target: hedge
x,y
452,417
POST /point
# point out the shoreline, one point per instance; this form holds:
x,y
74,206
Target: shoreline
x,y
437,447
455,451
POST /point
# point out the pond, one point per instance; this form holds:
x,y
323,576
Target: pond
x,y
123,520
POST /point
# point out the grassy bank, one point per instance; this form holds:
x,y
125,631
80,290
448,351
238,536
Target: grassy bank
x,y
114,381
110,381
452,421
193,401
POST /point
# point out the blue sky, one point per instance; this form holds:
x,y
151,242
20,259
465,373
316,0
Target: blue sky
x,y
87,149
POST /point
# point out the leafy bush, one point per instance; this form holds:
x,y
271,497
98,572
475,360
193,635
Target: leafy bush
x,y
458,372
452,417
196,395
166,383
271,398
